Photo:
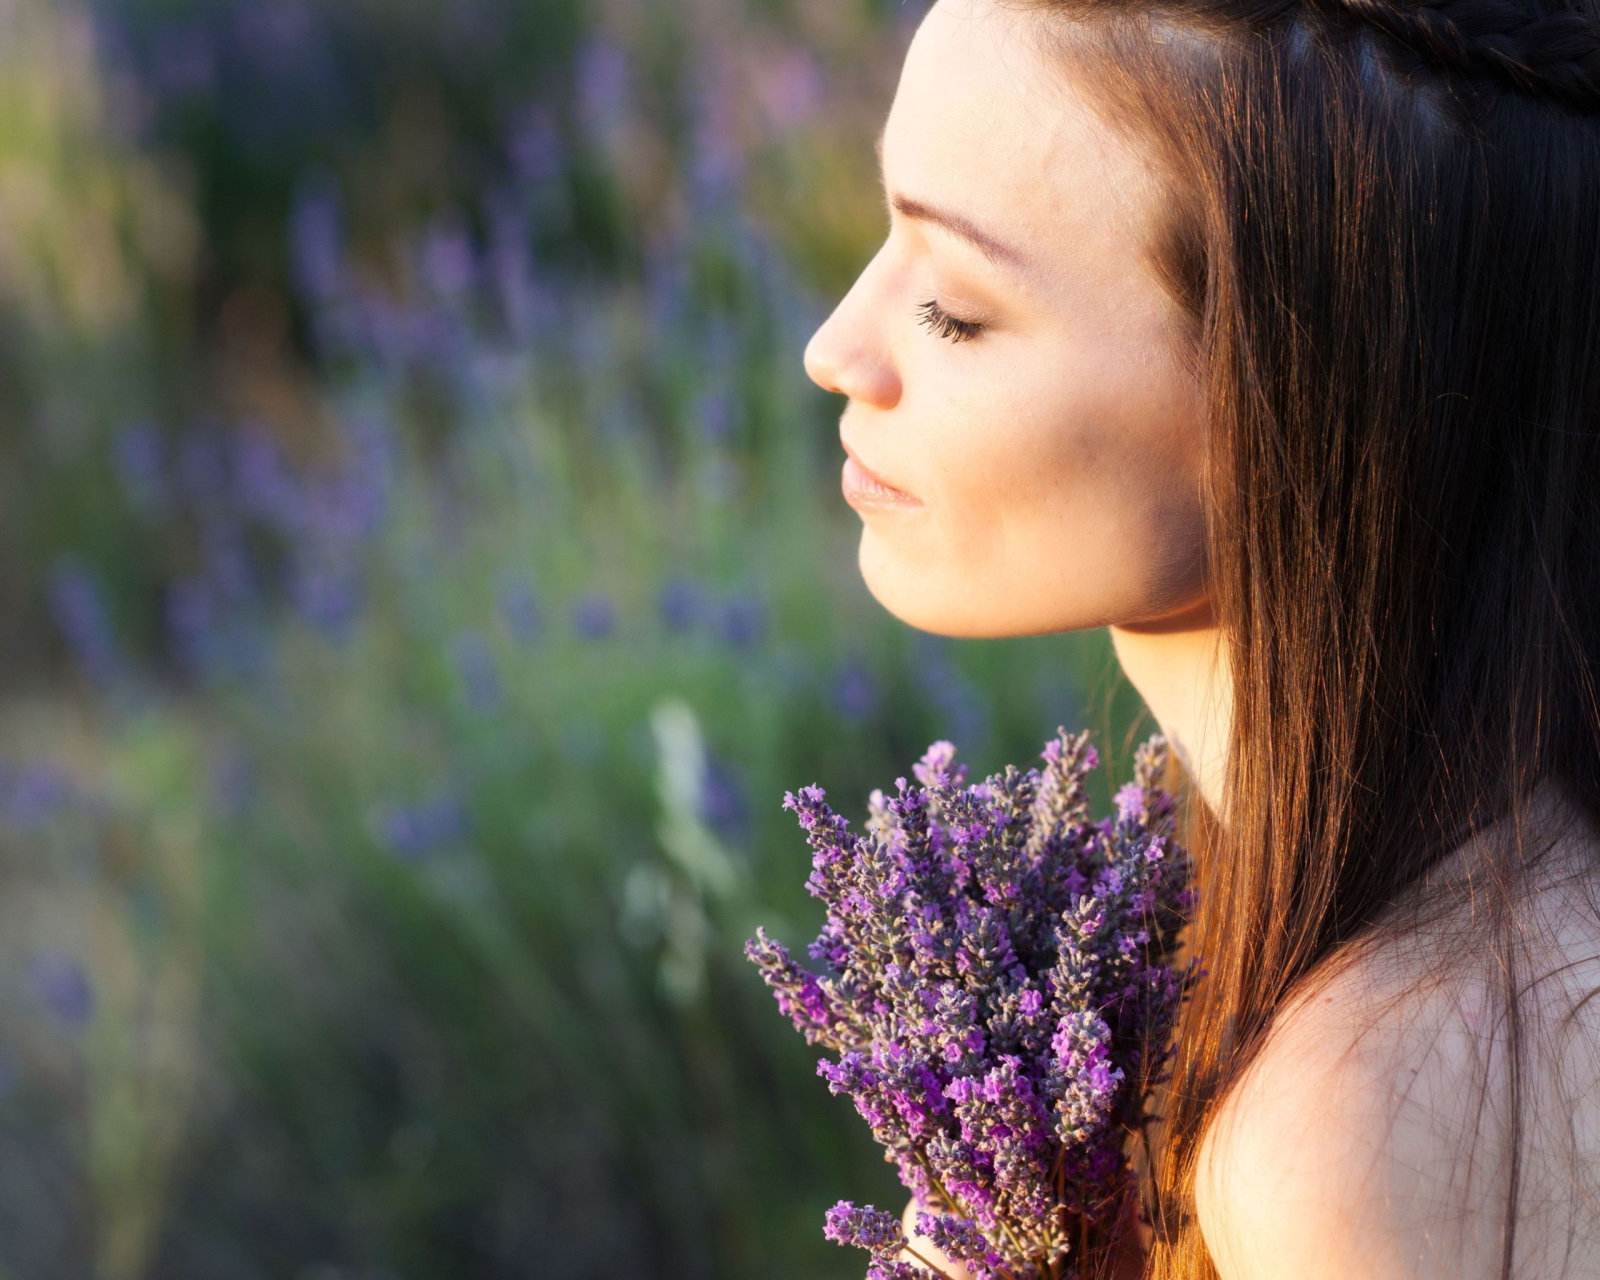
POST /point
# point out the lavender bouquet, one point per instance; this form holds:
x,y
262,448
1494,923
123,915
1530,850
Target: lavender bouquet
x,y
999,990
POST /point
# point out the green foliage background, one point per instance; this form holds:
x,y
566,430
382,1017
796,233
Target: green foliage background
x,y
427,573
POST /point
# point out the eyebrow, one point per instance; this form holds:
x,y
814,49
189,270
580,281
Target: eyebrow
x,y
992,247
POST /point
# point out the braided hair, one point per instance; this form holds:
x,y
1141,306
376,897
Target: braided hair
x,y
1546,52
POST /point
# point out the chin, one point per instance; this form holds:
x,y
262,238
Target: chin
x,y
960,606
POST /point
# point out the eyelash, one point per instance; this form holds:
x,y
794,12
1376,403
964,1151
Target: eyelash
x,y
942,324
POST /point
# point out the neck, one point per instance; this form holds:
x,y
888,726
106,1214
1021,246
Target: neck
x,y
1179,666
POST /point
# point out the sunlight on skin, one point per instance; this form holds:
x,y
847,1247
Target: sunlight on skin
x,y
1033,463
1024,432
927,1252
1026,441
1028,459
1181,671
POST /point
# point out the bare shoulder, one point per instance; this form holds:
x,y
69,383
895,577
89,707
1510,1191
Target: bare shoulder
x,y
1372,1137
1353,1147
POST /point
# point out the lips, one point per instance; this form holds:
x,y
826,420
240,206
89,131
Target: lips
x,y
865,490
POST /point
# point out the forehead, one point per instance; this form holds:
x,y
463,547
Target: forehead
x,y
988,122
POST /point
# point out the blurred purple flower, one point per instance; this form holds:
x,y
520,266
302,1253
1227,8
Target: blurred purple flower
x,y
718,415
412,831
227,560
594,617
202,466
535,146
668,283
399,335
791,90
341,511
519,608
449,263
316,240
58,982
855,692
328,596
479,673
963,712
139,455
266,487
81,615
525,301
723,802
233,781
718,158
740,622
32,795
183,63
192,623
683,603
603,87
371,448
275,35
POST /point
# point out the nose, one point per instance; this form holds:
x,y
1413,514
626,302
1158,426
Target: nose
x,y
850,353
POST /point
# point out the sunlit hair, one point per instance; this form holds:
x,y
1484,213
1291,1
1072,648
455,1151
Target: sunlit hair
x,y
1386,231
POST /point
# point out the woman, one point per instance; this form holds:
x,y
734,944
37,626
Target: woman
x,y
1267,332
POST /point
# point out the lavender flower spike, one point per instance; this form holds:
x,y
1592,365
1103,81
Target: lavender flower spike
x,y
998,986
865,1228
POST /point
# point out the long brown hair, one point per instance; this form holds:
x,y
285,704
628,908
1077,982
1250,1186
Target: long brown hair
x,y
1386,227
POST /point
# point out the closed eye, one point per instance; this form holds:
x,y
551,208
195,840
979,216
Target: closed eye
x,y
942,324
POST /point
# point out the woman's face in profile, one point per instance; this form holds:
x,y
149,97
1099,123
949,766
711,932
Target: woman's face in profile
x,y
1024,431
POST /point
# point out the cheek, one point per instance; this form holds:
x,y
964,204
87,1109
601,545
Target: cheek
x,y
1063,492
1076,445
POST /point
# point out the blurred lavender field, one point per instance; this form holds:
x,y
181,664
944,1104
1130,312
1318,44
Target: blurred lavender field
x,y
425,574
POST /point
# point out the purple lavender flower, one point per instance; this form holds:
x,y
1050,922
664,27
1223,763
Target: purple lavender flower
x,y
535,146
864,1227
855,692
84,620
328,595
191,611
316,240
139,454
722,800
956,1238
594,617
32,796
714,167
60,984
997,986
449,264
791,90
604,89
682,602
952,694
718,416
234,781
202,466
475,664
519,608
412,831
740,622
893,1269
